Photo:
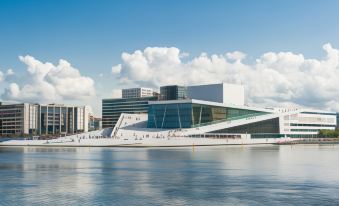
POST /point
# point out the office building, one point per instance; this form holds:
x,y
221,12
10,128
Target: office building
x,y
137,92
94,123
17,119
112,108
42,119
173,92
156,94
62,119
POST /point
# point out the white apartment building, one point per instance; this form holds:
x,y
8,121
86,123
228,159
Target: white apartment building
x,y
137,92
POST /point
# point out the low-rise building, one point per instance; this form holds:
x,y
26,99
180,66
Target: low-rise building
x,y
94,123
42,119
16,119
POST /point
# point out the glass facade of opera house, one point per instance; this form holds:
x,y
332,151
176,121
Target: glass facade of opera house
x,y
195,113
188,115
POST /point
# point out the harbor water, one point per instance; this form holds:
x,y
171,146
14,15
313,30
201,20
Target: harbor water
x,y
220,175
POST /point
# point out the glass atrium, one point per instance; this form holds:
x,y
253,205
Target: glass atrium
x,y
188,115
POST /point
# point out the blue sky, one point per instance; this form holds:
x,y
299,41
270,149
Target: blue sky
x,y
92,35
95,33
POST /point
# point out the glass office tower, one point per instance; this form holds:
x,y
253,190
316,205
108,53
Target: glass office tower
x,y
173,92
112,108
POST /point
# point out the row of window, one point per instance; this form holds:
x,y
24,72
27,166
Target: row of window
x,y
277,135
312,125
322,113
304,130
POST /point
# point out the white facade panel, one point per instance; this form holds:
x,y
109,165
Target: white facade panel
x,y
26,119
233,94
307,122
86,117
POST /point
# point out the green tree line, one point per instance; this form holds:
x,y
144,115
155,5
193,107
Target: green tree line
x,y
328,133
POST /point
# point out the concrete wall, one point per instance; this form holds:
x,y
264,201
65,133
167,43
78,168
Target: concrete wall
x,y
234,94
25,125
86,116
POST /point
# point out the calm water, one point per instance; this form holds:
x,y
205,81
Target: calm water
x,y
227,175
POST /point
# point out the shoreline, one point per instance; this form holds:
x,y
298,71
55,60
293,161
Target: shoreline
x,y
320,141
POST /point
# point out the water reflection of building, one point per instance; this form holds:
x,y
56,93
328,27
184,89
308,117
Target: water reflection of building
x,y
62,176
42,119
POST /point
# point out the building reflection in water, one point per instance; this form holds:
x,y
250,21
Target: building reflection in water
x,y
200,175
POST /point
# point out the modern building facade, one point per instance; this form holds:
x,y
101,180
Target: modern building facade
x,y
217,108
112,108
62,119
137,92
94,123
222,93
173,92
213,117
42,119
194,113
15,119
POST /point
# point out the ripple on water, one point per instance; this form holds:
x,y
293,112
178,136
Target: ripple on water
x,y
252,175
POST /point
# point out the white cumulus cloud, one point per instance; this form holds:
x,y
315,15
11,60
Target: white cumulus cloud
x,y
116,69
116,93
1,76
46,82
10,72
273,79
237,55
